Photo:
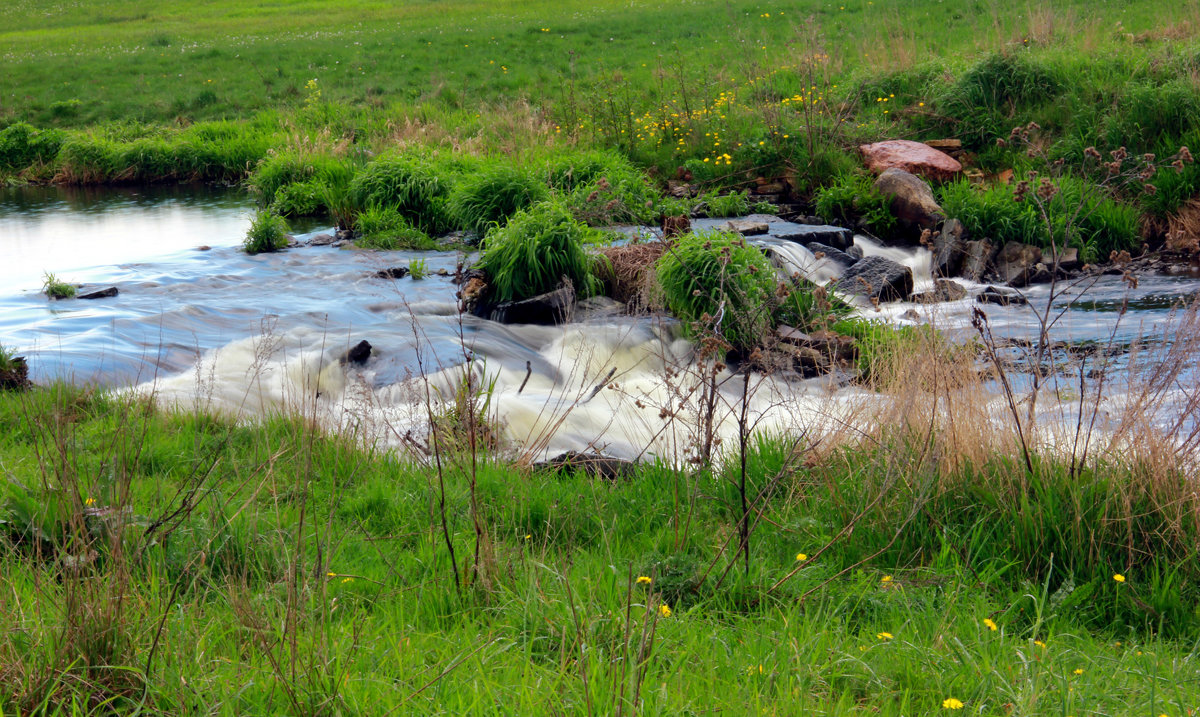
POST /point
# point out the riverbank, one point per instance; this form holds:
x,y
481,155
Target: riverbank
x,y
188,565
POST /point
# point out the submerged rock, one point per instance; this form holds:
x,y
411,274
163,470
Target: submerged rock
x,y
912,199
358,354
992,295
836,237
878,278
392,272
548,309
912,157
100,294
1016,261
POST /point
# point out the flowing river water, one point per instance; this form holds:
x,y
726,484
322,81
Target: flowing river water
x,y
205,326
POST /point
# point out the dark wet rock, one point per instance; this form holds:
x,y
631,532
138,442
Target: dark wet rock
x,y
911,315
344,235
598,307
548,309
14,376
676,226
1015,262
1068,259
840,257
322,239
596,465
460,238
806,361
855,251
949,248
746,227
992,295
977,258
392,272
943,290
100,294
912,199
837,237
204,247
1038,274
358,354
876,277
910,157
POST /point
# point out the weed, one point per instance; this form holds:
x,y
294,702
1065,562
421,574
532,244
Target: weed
x,y
853,197
408,185
386,228
493,195
417,269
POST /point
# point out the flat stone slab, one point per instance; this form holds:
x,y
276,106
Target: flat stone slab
x,y
839,238
913,157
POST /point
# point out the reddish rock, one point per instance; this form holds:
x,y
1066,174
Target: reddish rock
x,y
912,157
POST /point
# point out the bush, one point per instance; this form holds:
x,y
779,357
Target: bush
x,y
717,282
1102,224
300,199
408,185
531,254
853,196
268,232
385,228
734,204
494,195
22,145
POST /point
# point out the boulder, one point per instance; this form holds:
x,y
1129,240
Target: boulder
x,y
836,237
992,295
948,247
1015,263
977,257
357,354
943,290
100,293
876,277
745,227
912,199
322,239
1038,274
912,157
854,251
838,257
548,309
1068,259
392,272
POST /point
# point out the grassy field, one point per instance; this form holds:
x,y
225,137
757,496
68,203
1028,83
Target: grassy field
x,y
155,562
183,565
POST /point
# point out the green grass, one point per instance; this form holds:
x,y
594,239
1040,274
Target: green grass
x,y
267,568
55,288
533,252
267,233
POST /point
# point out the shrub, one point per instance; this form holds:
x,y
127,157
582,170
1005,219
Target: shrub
x,y
22,145
853,196
1100,224
268,232
385,228
531,254
408,185
494,195
56,289
717,282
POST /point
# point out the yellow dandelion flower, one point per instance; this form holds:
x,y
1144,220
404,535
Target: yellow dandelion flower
x,y
90,501
951,703
664,610
884,636
1079,671
991,625
1119,578
643,580
886,579
331,575
347,580
801,557
1040,644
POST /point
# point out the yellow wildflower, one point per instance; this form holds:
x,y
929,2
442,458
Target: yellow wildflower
x,y
643,580
952,704
801,557
991,625
886,579
1119,578
1078,670
664,610
1040,644
884,635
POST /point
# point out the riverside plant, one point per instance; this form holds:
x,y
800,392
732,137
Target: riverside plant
x,y
268,232
55,288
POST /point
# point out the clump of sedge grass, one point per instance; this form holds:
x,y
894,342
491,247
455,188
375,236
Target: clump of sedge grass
x,y
268,232
54,288
536,249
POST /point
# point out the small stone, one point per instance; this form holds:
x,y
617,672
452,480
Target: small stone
x,y
992,295
100,294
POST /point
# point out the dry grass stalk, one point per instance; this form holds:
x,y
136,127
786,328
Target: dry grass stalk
x,y
629,272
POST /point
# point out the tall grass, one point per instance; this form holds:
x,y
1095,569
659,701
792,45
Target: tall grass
x,y
531,254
